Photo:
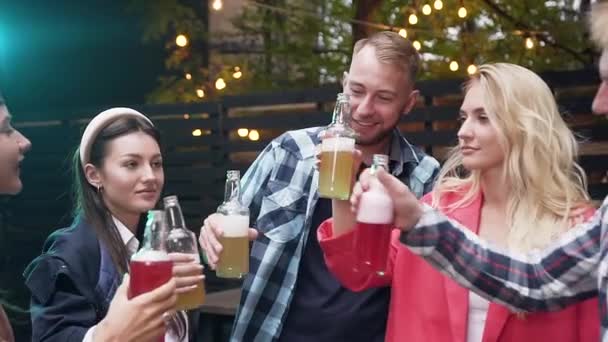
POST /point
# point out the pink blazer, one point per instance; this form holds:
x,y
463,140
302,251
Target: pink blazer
x,y
427,306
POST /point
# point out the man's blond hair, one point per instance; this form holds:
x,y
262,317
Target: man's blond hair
x,y
393,49
599,24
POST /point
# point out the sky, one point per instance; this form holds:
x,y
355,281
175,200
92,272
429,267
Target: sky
x,y
66,54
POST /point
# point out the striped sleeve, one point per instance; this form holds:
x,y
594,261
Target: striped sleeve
x,y
549,280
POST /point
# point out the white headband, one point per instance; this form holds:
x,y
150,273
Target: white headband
x,y
98,123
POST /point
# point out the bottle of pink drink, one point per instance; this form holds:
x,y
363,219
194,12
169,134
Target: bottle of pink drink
x,y
374,222
151,267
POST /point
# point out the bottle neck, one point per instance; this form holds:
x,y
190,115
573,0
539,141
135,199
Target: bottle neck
x,y
232,191
341,113
175,218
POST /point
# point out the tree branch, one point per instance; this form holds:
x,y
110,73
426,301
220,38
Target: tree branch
x,y
522,25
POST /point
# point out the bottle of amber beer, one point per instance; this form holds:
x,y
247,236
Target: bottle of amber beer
x,y
234,222
337,147
182,240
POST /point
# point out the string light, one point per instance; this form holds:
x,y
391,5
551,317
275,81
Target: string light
x,y
197,133
254,135
438,4
181,40
413,19
471,69
417,45
237,73
462,12
529,43
220,84
242,132
426,9
217,5
186,116
200,93
403,33
454,66
188,76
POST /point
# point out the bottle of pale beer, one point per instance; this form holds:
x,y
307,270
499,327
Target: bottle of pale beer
x,y
337,147
151,267
374,222
234,222
181,240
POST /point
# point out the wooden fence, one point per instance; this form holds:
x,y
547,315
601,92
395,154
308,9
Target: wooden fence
x,y
200,143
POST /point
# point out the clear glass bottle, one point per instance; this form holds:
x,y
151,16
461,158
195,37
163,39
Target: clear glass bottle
x,y
234,222
181,240
337,147
374,223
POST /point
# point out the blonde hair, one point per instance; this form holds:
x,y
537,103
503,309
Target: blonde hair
x,y
393,49
544,179
599,24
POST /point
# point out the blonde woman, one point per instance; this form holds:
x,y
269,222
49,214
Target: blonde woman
x,y
510,180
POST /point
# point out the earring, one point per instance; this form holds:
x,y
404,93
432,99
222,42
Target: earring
x,y
99,188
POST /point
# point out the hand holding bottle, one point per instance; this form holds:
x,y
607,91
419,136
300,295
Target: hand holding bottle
x,y
210,236
137,319
407,208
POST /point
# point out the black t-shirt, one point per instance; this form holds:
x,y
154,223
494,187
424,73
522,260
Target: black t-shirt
x,y
322,310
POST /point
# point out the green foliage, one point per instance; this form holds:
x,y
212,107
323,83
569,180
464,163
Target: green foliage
x,y
303,43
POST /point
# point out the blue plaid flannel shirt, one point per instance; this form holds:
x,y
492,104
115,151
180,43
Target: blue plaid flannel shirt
x,y
573,269
280,189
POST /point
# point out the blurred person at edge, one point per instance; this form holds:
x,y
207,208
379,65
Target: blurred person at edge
x,y
13,146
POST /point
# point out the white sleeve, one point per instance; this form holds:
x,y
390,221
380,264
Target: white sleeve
x,y
88,337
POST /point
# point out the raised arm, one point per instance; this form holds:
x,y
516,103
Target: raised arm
x,y
562,274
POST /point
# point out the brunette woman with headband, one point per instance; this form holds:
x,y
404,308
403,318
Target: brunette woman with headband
x,y
75,283
13,146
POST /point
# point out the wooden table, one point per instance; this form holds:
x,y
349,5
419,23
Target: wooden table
x,y
217,315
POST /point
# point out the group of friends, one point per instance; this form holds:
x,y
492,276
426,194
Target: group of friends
x,y
507,218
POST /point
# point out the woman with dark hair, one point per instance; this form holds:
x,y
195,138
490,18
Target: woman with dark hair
x,y
75,288
13,146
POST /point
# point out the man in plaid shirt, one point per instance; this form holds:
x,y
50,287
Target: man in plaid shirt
x,y
289,294
573,269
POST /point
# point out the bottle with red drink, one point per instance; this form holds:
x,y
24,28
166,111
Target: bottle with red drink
x,y
374,223
151,267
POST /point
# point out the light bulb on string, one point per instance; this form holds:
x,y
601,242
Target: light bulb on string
x,y
181,40
462,12
438,4
254,135
188,76
237,73
472,69
426,9
529,43
413,19
242,132
200,93
220,84
403,33
454,66
417,45
217,5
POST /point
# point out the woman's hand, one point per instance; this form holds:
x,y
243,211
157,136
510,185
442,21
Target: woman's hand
x,y
187,271
408,209
138,319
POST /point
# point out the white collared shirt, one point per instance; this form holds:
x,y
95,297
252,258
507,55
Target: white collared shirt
x,y
132,244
